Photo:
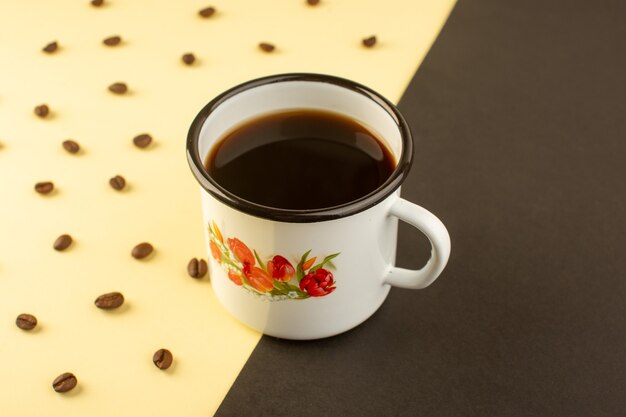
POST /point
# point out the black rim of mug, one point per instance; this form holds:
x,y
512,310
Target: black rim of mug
x,y
394,181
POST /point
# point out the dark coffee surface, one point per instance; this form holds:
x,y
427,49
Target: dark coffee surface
x,y
301,159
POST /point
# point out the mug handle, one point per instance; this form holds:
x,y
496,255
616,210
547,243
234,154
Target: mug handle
x,y
437,234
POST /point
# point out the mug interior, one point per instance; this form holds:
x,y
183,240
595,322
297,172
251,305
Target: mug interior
x,y
296,95
273,94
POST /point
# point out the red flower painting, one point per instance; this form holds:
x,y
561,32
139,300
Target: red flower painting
x,y
258,278
235,277
318,283
275,279
241,251
215,251
280,269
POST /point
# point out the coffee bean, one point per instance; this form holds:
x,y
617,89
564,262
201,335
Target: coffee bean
x,y
64,382
63,242
266,47
112,41
117,182
162,358
118,88
42,110
369,42
197,268
97,3
143,140
207,12
44,187
26,321
51,47
109,301
71,146
189,58
313,2
142,250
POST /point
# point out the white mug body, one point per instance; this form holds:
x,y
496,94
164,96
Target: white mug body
x,y
365,244
307,274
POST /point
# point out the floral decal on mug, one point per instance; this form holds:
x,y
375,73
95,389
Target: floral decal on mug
x,y
275,279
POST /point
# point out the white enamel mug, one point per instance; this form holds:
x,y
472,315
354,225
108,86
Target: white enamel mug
x,y
308,274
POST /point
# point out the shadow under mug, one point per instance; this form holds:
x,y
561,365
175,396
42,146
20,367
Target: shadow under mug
x,y
308,274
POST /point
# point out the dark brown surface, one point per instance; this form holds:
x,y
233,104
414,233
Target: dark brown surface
x,y
518,112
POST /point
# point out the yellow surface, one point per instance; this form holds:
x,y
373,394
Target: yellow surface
x,y
110,352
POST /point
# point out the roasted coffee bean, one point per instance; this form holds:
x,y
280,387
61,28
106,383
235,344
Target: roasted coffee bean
x,y
26,321
109,301
313,2
143,140
64,382
197,268
117,182
266,47
51,47
189,59
71,146
63,242
42,110
142,250
97,3
118,88
112,41
369,42
207,12
44,187
162,358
